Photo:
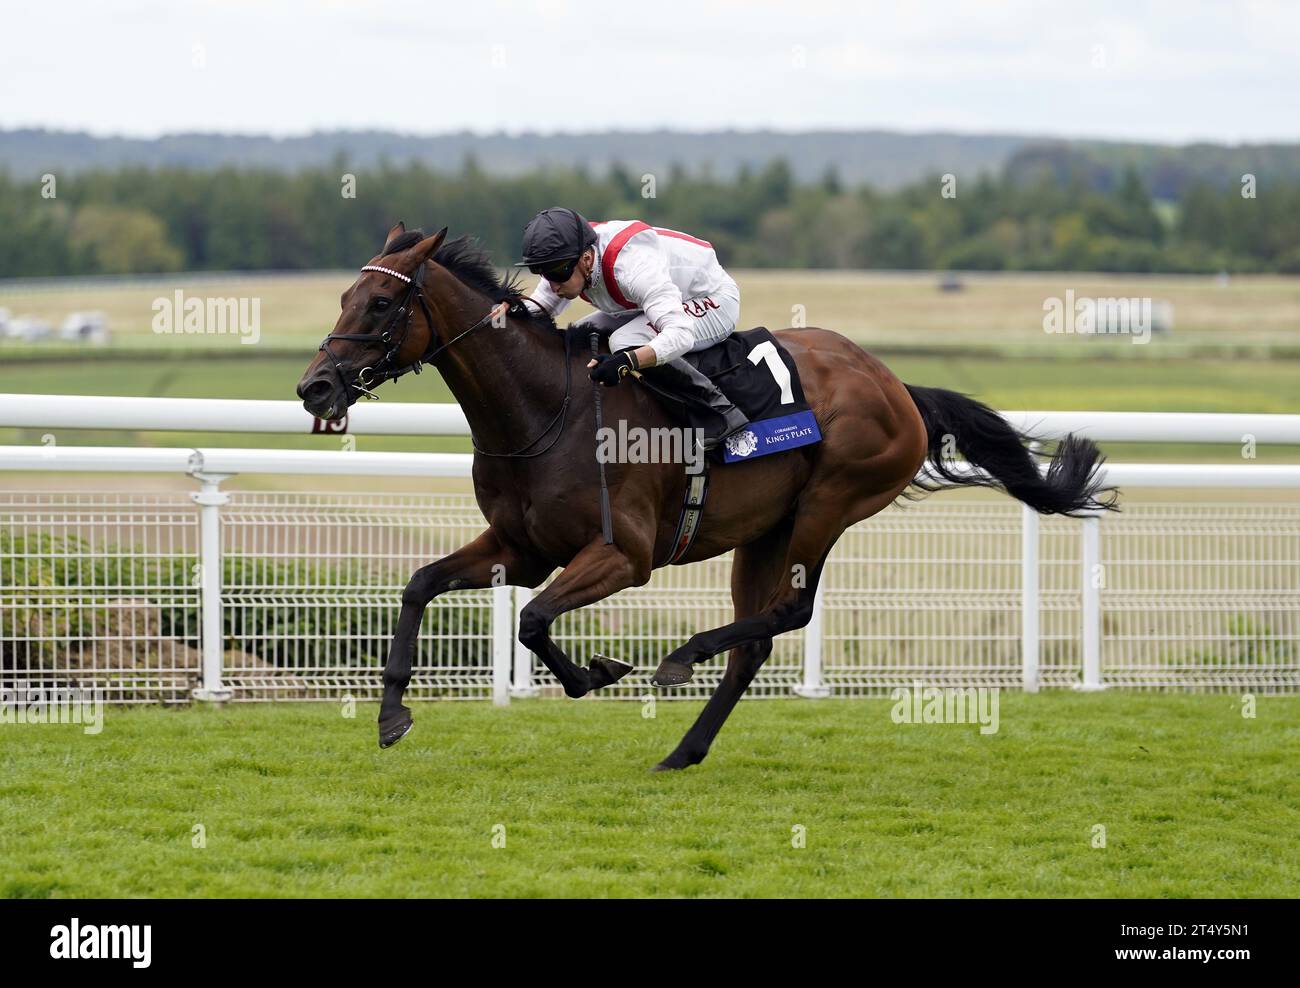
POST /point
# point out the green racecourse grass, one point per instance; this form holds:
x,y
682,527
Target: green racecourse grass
x,y
296,800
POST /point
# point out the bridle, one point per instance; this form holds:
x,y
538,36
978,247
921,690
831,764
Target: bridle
x,y
385,368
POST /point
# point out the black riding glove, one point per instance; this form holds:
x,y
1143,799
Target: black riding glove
x,y
613,367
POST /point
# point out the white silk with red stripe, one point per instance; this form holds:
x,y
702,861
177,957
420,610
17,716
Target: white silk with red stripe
x,y
647,269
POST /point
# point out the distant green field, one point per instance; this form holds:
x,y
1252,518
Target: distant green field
x,y
1192,799
874,308
986,340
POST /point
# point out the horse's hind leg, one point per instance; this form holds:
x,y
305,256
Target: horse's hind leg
x,y
788,608
471,567
594,573
756,571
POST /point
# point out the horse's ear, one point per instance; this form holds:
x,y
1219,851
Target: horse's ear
x,y
398,228
425,248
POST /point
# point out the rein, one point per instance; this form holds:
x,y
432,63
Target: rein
x,y
383,369
561,416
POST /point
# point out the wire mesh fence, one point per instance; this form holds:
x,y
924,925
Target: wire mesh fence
x,y
1201,596
103,590
100,590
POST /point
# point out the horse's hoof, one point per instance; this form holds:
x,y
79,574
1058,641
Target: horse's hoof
x,y
605,671
392,729
675,763
672,673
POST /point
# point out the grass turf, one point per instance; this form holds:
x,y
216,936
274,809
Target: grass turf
x,y
296,800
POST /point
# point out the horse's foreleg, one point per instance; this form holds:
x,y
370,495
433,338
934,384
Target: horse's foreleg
x,y
485,562
594,573
756,571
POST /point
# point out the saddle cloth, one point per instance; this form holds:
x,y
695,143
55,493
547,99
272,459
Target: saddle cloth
x,y
761,378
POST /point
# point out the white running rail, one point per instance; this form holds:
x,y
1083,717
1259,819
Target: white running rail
x,y
817,673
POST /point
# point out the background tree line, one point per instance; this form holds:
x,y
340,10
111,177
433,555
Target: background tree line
x,y
1040,212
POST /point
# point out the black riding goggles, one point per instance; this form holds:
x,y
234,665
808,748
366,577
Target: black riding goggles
x,y
555,273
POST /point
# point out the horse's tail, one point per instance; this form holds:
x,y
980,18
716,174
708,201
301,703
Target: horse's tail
x,y
955,422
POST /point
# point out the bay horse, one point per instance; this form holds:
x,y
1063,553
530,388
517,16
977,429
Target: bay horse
x,y
430,300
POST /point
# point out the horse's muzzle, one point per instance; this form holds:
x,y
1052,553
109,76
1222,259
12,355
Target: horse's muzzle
x,y
321,399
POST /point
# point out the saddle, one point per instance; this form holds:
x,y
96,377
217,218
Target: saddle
x,y
761,378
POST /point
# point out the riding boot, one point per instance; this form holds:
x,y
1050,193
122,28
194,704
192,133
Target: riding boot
x,y
684,379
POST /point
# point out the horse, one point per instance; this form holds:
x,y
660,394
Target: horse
x,y
426,300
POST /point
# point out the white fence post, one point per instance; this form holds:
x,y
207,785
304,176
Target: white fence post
x,y
812,686
210,498
1092,581
503,614
1029,599
523,685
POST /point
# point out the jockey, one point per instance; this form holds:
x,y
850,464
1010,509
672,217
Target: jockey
x,y
659,294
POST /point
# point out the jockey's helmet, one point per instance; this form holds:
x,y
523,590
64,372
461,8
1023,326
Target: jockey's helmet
x,y
555,234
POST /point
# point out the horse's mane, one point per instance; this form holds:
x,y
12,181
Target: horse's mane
x,y
467,259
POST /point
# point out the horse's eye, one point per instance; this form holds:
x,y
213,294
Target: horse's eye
x,y
380,304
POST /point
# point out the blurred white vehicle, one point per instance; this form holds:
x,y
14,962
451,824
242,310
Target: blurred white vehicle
x,y
29,328
88,327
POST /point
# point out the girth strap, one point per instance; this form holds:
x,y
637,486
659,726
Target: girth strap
x,y
688,523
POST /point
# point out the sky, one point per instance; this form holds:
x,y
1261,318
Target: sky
x,y
1167,72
